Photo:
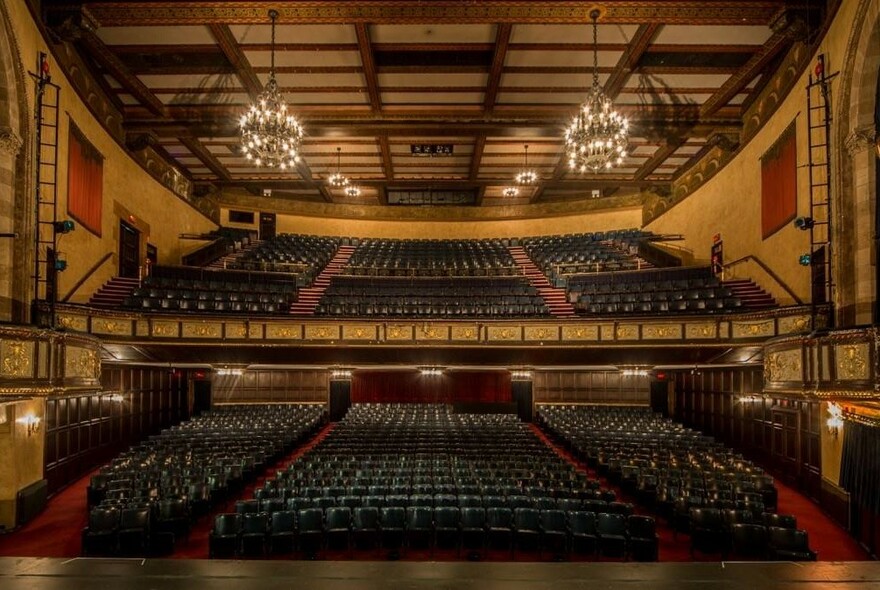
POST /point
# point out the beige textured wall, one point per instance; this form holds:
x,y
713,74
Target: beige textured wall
x,y
730,203
126,184
22,454
601,220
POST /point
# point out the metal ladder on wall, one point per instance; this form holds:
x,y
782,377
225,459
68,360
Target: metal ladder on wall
x,y
46,187
818,139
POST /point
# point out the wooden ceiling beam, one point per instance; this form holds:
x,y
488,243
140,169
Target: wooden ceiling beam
x,y
558,174
366,50
660,155
502,40
230,48
116,68
207,158
737,82
643,37
477,157
387,162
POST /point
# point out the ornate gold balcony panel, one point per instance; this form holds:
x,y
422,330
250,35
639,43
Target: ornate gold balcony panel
x,y
43,362
836,365
234,332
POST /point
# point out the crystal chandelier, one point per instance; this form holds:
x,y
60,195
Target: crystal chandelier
x,y
597,137
352,191
270,136
337,180
510,191
526,176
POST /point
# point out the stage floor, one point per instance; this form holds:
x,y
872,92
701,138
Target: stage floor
x,y
149,574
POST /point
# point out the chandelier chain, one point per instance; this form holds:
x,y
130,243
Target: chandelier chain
x,y
595,53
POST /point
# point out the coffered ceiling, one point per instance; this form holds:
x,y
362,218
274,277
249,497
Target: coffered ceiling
x,y
488,77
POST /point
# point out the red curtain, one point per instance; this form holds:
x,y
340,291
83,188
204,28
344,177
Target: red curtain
x,y
85,181
779,183
413,387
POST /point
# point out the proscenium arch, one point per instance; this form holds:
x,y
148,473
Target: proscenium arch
x,y
16,215
854,201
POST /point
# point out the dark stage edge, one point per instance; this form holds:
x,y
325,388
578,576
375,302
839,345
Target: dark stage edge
x,y
148,574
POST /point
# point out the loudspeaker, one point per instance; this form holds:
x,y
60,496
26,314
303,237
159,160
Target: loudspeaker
x,y
340,399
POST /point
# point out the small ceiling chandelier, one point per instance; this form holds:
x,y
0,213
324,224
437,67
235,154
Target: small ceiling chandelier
x,y
597,137
337,180
270,136
526,176
352,191
510,191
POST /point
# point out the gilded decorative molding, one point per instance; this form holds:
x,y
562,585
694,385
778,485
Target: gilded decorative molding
x,y
399,332
541,333
626,332
10,142
17,358
77,323
852,362
359,332
504,333
114,327
236,329
82,363
662,332
469,333
255,331
201,330
165,329
580,333
701,331
793,324
753,329
283,332
784,366
322,332
142,328
432,332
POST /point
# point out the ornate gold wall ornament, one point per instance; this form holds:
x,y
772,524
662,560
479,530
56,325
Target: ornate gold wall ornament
x,y
17,358
430,332
464,333
580,332
852,362
322,332
398,333
236,329
77,323
662,332
81,362
753,329
700,331
165,329
115,327
793,324
359,332
503,333
541,333
784,366
626,332
191,330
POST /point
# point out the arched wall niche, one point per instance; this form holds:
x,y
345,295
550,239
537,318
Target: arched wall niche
x,y
16,255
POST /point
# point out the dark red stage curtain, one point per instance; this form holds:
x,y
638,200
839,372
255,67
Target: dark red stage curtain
x,y
85,181
413,387
779,183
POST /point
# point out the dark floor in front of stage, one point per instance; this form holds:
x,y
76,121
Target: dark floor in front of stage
x,y
18,573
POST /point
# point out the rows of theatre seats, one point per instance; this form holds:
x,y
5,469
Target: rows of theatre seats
x,y
184,294
724,502
431,258
432,297
558,256
391,477
302,255
147,498
692,289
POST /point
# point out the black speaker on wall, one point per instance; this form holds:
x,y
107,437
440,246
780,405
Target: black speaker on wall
x,y
340,398
521,392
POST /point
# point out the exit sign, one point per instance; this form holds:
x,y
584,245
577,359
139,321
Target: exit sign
x,y
431,149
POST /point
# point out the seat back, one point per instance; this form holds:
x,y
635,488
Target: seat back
x,y
642,527
255,523
392,517
446,517
310,520
419,517
338,517
611,524
366,518
527,519
553,520
473,517
581,522
283,521
227,524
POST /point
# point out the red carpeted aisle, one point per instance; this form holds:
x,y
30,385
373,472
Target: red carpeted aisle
x,y
830,541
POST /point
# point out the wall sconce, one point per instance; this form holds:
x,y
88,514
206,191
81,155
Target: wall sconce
x,y
340,374
521,375
32,423
634,372
230,372
116,397
431,371
749,399
835,419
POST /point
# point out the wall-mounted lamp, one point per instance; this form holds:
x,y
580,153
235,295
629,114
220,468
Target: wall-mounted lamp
x,y
431,371
521,375
226,371
835,419
340,374
115,397
634,372
749,399
32,423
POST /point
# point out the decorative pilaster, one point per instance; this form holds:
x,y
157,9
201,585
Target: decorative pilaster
x,y
860,139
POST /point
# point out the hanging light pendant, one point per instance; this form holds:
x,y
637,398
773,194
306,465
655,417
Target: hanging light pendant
x,y
526,176
270,135
510,191
337,180
596,140
352,191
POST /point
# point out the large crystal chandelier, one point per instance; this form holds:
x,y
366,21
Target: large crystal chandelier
x,y
526,176
270,136
597,137
337,179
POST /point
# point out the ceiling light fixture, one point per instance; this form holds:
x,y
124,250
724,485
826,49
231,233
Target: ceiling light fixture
x,y
526,176
510,191
597,137
337,180
352,191
270,136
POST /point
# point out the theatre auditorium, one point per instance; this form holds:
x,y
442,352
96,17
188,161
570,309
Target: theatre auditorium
x,y
451,293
